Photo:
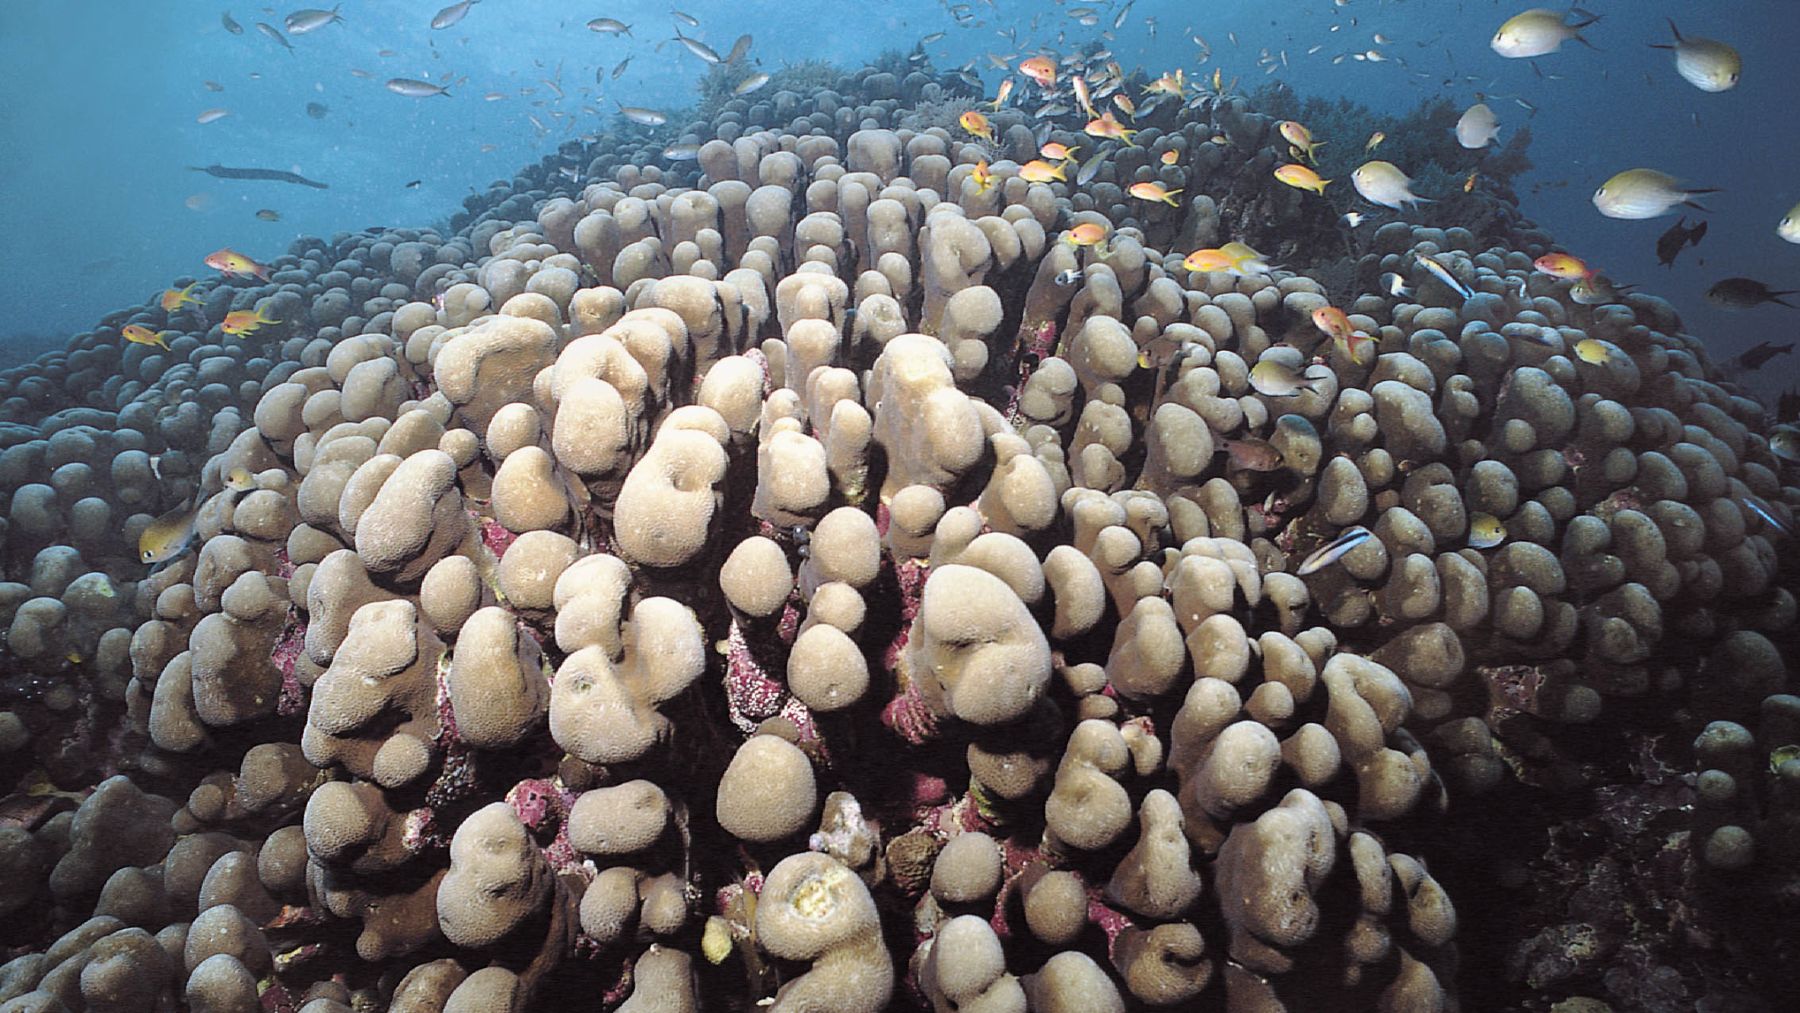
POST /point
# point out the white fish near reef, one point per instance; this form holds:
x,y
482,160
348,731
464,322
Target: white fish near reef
x,y
1478,126
1395,286
212,115
751,83
698,48
415,89
1383,183
609,26
1707,64
1333,550
647,117
310,19
1636,194
452,14
1442,273
1068,277
1540,32
681,152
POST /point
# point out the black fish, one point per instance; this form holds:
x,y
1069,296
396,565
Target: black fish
x,y
414,185
1670,244
317,110
1763,353
1744,293
275,175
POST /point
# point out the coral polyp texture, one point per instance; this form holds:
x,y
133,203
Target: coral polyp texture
x,y
809,579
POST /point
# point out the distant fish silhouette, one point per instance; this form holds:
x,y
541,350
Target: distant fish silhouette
x,y
276,175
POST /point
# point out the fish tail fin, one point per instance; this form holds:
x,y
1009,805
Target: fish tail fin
x,y
1672,31
1587,17
1697,206
1169,199
1776,298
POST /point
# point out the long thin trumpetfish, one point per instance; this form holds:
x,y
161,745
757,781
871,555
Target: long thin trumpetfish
x,y
276,175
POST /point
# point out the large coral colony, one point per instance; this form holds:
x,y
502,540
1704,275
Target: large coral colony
x,y
822,576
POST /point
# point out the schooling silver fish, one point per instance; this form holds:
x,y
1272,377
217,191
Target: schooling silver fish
x,y
302,21
415,89
1334,550
452,14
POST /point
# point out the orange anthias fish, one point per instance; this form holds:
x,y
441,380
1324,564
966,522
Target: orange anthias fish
x,y
173,299
234,264
1126,106
1209,259
1302,139
1041,69
138,334
1172,83
1059,151
977,124
1083,96
984,179
1154,191
1300,177
1039,171
1337,327
1170,157
1106,126
1006,88
1562,265
1087,234
240,322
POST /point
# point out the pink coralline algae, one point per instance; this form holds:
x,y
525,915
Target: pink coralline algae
x,y
495,536
285,655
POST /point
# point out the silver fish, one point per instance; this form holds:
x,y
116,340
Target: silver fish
x,y
1090,168
751,83
1333,550
698,48
1069,277
452,14
415,89
310,19
1442,273
609,26
686,19
231,26
1395,286
681,152
620,68
274,33
647,117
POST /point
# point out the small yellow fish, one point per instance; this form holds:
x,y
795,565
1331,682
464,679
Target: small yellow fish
x,y
1485,531
1375,140
1083,96
73,657
1125,105
977,124
1170,157
999,100
138,334
1039,171
173,299
1059,151
1301,178
1207,260
1593,351
1469,184
1301,138
1245,261
167,536
1154,191
241,322
239,479
1789,226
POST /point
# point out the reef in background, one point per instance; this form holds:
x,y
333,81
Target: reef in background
x,y
770,576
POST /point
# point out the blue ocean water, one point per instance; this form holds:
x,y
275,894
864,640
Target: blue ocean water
x,y
100,125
